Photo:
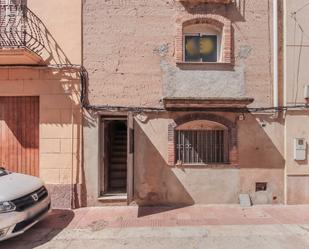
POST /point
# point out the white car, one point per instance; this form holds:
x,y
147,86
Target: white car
x,y
24,201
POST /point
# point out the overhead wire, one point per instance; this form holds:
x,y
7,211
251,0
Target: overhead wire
x,y
84,103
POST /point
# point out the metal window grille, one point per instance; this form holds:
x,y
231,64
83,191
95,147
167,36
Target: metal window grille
x,y
202,146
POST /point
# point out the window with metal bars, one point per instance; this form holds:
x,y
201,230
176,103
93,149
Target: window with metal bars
x,y
202,146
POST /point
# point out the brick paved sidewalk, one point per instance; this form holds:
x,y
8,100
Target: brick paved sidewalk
x,y
120,217
194,227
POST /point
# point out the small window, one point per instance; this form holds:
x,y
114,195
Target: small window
x,y
202,146
260,186
201,48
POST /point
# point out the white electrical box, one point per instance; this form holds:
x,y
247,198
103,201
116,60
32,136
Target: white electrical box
x,y
306,92
300,149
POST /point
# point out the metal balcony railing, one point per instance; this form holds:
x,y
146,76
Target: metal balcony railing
x,y
21,28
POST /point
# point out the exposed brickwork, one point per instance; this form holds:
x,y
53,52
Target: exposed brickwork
x,y
214,20
233,151
171,143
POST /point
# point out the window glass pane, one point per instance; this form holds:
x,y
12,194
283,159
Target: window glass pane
x,y
192,48
209,48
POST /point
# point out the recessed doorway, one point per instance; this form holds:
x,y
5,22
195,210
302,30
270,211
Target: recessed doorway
x,y
113,177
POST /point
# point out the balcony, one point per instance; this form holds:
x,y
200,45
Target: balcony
x,y
25,40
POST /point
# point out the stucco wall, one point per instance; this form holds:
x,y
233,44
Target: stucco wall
x,y
297,51
260,160
62,20
56,29
296,78
298,189
129,53
60,123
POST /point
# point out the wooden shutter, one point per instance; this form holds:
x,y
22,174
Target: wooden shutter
x,y
19,134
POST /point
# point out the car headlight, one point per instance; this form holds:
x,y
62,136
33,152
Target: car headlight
x,y
7,206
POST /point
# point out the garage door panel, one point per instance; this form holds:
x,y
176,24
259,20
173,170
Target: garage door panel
x,y
19,134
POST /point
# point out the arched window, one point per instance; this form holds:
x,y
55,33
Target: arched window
x,y
204,38
201,139
202,142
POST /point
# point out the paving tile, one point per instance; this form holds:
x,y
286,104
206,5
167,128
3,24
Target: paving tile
x,y
99,218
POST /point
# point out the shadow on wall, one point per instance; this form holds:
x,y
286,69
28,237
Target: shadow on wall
x,y
256,148
261,158
41,41
58,88
42,232
234,11
25,29
57,111
59,91
155,182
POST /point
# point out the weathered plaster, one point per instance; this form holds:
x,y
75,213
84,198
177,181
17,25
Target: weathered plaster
x,y
129,51
202,83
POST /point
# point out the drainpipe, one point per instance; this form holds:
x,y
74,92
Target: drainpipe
x,y
284,98
276,52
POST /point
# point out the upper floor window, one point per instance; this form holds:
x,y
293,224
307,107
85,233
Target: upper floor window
x,y
205,39
201,43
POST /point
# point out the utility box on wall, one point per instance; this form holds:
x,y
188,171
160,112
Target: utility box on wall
x,y
300,149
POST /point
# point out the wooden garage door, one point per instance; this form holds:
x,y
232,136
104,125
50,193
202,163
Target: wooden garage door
x,y
19,134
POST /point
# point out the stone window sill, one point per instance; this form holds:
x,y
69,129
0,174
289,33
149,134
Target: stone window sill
x,y
216,66
206,166
209,1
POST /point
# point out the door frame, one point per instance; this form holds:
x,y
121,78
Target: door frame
x,y
102,155
130,158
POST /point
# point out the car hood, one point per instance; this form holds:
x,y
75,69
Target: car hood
x,y
14,185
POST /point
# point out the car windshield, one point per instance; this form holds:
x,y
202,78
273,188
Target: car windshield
x,y
3,172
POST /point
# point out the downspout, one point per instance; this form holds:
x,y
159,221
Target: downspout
x,y
276,52
285,99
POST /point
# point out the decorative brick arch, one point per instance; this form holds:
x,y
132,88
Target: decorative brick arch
x,y
214,20
231,126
